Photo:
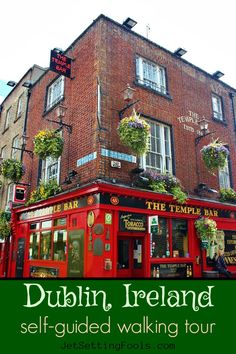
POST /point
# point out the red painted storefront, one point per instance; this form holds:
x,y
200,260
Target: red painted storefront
x,y
102,230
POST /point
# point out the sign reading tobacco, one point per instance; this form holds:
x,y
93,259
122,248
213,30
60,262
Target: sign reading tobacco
x,y
60,63
133,222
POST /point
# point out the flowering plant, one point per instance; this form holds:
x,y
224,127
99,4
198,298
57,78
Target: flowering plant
x,y
5,227
206,228
215,155
12,169
48,143
164,183
134,133
227,195
44,191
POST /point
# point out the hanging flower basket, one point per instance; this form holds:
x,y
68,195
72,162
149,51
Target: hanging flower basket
x,y
48,143
206,229
12,170
215,155
134,133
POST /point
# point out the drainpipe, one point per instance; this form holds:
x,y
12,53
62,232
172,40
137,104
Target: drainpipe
x,y
25,121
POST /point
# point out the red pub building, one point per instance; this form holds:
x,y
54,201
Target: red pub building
x,y
103,223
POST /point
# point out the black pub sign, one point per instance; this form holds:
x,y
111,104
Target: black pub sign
x,y
60,63
133,222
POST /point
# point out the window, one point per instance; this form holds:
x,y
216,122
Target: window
x,y
151,75
48,244
179,238
8,118
34,245
4,152
55,92
159,156
170,239
10,193
19,107
59,245
51,169
15,153
224,176
217,107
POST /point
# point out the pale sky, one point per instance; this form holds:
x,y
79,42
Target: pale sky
x,y
205,28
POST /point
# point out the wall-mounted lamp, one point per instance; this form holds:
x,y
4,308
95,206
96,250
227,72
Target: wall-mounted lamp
x,y
129,23
60,113
23,145
70,176
27,84
217,75
204,123
128,94
11,83
202,188
180,52
58,50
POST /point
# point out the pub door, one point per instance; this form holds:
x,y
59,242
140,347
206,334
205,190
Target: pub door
x,y
20,257
130,257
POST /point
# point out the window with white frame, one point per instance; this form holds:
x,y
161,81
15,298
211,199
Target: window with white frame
x,y
19,107
15,153
55,92
159,156
51,169
151,75
224,176
217,107
8,118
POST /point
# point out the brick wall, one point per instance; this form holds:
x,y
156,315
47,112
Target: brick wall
x,y
106,52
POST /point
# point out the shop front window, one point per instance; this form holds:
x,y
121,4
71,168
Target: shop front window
x,y
48,244
46,224
34,245
179,238
160,240
59,245
45,245
170,239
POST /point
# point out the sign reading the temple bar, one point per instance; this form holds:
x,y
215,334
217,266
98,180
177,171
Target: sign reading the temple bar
x,y
133,222
60,63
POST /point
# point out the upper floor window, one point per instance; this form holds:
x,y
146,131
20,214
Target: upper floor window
x,y
8,118
10,191
159,155
217,108
19,107
55,92
15,146
151,75
51,169
4,152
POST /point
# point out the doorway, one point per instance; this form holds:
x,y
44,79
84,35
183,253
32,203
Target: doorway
x,y
130,257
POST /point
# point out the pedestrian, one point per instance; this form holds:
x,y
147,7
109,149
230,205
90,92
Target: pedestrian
x,y
220,263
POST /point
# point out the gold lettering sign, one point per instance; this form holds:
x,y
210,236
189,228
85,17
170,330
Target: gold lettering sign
x,y
180,209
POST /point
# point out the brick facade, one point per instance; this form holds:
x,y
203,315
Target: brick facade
x,y
106,53
16,124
